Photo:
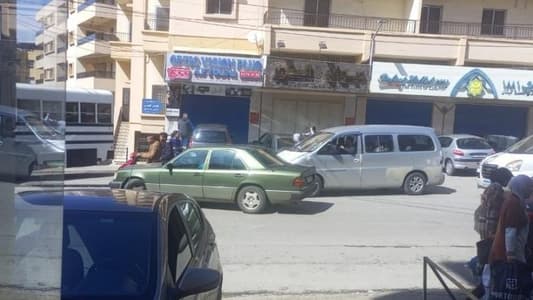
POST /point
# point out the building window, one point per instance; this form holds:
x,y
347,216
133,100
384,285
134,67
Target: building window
x,y
70,70
71,41
221,7
49,74
49,47
31,64
430,19
160,93
32,106
52,110
162,18
316,13
493,22
72,113
88,112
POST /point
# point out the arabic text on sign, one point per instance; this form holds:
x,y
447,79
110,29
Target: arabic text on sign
x,y
412,82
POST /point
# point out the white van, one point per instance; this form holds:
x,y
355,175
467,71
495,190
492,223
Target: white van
x,y
371,157
518,159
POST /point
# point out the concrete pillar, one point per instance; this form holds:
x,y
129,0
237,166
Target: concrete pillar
x,y
461,52
360,110
255,108
266,113
443,119
350,107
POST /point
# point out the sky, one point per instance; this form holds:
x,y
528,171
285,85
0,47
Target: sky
x,y
26,24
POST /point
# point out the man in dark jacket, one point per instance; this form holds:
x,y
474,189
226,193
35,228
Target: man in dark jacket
x,y
185,127
166,148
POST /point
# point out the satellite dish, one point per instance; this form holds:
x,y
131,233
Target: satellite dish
x,y
255,37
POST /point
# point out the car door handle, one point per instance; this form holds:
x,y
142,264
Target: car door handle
x,y
238,175
197,174
356,160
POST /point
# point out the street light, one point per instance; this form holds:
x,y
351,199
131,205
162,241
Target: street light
x,y
373,43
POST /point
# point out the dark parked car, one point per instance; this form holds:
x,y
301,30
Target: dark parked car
x,y
501,142
275,142
209,135
125,244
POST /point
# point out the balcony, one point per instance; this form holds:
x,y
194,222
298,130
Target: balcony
x,y
96,80
299,18
92,45
97,36
97,74
61,49
88,3
289,18
156,24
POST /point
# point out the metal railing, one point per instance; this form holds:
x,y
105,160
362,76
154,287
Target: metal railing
x,y
123,36
88,3
439,272
342,21
157,24
97,36
478,29
299,18
96,74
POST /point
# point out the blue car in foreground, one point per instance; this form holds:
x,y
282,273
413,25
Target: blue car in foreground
x,y
125,244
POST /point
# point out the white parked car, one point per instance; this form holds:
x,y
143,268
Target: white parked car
x,y
518,159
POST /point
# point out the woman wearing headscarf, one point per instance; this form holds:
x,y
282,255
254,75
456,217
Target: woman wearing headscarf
x,y
510,241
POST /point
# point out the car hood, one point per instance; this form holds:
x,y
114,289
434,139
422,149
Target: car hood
x,y
503,158
291,156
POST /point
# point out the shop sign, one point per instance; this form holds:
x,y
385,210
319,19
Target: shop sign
x,y
316,75
152,106
450,81
216,90
214,69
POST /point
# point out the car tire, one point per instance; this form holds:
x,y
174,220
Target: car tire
x,y
135,184
414,184
252,199
319,186
449,168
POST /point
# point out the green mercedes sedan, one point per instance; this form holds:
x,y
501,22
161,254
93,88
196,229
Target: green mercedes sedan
x,y
249,176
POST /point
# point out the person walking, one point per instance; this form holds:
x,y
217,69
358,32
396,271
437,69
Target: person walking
x,y
186,128
154,150
507,257
166,148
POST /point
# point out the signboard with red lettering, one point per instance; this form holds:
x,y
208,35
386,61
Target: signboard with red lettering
x,y
214,69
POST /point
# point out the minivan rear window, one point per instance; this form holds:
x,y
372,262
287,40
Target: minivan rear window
x,y
210,136
472,143
415,143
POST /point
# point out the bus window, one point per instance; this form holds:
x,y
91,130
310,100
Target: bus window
x,y
88,112
104,113
53,110
72,113
33,106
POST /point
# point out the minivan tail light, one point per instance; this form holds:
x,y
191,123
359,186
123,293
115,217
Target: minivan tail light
x,y
458,152
298,182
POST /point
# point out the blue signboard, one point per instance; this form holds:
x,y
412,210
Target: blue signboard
x,y
152,107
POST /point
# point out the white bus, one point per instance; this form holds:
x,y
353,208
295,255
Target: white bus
x,y
85,119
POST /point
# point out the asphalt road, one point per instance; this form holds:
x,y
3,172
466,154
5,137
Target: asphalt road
x,y
349,245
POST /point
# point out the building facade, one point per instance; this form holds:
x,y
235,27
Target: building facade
x,y
326,63
80,56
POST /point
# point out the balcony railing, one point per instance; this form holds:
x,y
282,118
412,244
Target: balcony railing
x,y
478,29
97,74
39,81
157,24
299,18
88,3
61,49
123,36
39,32
98,36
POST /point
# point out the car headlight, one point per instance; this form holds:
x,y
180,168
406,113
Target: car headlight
x,y
514,166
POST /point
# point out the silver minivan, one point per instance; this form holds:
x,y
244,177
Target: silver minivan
x,y
371,157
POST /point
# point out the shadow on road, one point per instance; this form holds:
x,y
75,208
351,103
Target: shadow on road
x,y
431,190
433,294
304,208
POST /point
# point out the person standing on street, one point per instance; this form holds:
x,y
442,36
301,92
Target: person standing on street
x,y
175,142
154,150
186,128
166,148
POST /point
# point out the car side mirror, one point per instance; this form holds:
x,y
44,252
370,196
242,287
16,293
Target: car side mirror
x,y
196,281
170,167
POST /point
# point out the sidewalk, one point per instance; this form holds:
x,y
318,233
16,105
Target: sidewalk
x,y
81,177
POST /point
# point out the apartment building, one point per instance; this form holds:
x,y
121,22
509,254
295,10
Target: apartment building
x,y
26,56
8,49
79,57
279,66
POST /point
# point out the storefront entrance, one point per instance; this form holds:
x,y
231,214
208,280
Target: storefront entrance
x,y
483,120
230,111
398,113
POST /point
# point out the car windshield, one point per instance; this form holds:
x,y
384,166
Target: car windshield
x,y
473,144
43,130
314,142
210,136
111,255
525,146
265,158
